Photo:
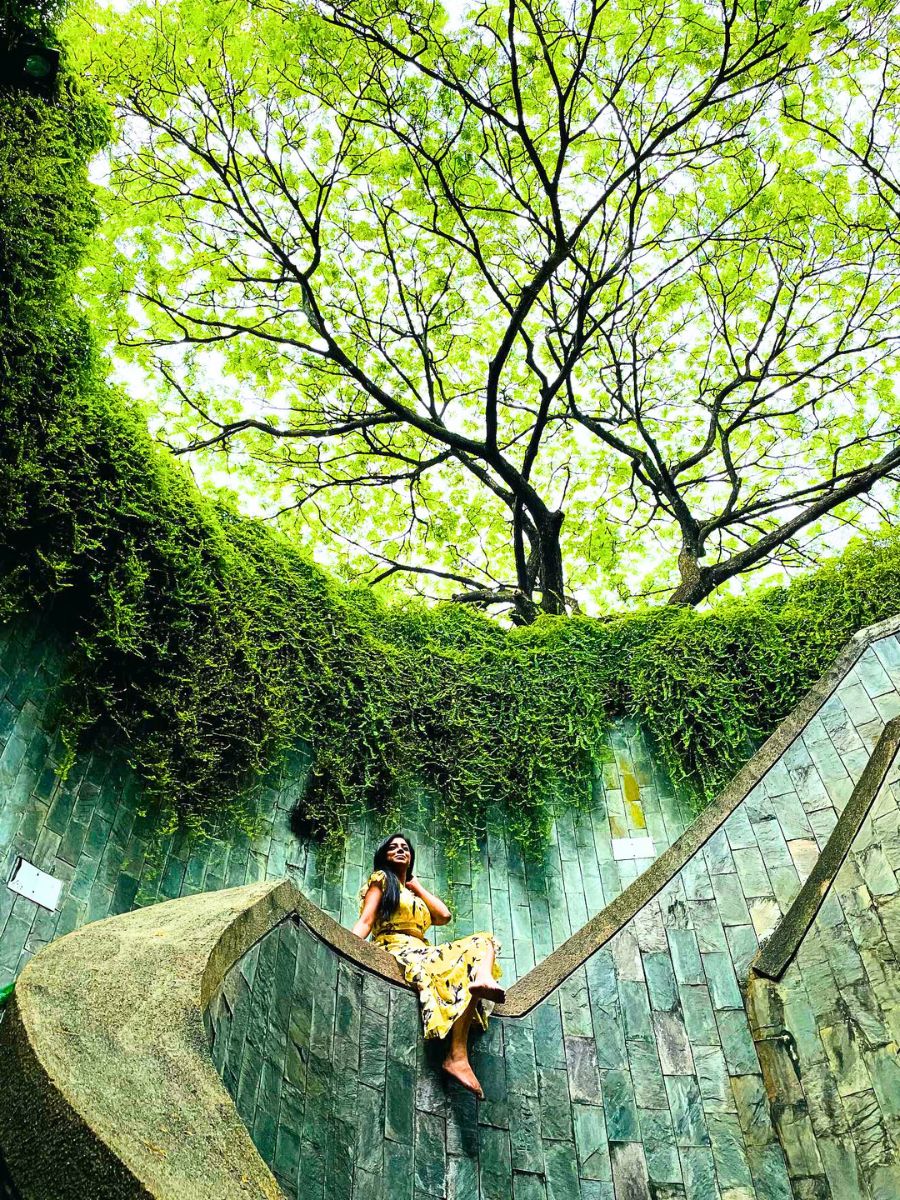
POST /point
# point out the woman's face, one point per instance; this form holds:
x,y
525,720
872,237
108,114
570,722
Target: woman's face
x,y
398,854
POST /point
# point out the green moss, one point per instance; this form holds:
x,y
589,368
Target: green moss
x,y
209,647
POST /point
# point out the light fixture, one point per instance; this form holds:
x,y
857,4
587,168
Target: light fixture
x,y
30,65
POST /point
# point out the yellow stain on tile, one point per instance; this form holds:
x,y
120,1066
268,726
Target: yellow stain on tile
x,y
636,815
630,787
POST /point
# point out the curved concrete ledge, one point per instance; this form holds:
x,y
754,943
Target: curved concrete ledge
x,y
108,1087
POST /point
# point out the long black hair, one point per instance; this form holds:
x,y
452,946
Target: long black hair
x,y
390,896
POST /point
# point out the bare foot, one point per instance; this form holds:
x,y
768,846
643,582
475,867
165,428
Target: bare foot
x,y
487,989
461,1071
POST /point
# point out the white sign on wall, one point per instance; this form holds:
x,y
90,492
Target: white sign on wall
x,y
35,884
630,848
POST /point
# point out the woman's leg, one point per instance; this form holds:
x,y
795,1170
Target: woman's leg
x,y
457,1062
483,985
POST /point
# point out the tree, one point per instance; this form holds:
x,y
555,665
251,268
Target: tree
x,y
464,280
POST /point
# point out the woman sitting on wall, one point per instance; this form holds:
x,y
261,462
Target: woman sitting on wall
x,y
454,980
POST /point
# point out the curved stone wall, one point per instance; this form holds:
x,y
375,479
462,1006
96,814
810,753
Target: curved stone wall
x,y
622,1065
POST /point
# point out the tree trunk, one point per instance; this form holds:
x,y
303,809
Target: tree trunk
x,y
696,582
552,576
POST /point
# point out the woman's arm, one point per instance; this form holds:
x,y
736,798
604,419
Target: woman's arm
x,y
440,913
363,926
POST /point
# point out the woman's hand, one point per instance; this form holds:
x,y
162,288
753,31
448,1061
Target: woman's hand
x,y
440,913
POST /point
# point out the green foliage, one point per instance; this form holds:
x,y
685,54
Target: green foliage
x,y
210,646
617,261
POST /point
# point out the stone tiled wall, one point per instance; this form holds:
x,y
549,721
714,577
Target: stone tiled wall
x,y
636,1077
89,832
828,1031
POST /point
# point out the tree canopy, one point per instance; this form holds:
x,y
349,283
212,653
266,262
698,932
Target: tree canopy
x,y
210,651
529,301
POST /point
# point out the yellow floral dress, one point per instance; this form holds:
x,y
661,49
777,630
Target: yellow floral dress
x,y
440,973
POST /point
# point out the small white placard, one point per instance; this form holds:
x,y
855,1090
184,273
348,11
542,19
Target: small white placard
x,y
626,848
36,885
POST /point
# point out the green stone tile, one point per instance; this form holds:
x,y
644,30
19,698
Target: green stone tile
x,y
462,1124
743,947
672,1044
685,956
884,1070
61,808
713,1079
286,1160
868,1128
723,987
494,1162
699,1173
72,842
730,900
527,1187
399,1172
603,981
646,1074
373,1040
591,1142
658,1138
548,1034
620,1107
753,1108
556,1117
771,843
751,871
635,1009
15,934
403,1027
491,1072
264,1131
462,1178
400,1101
687,1111
368,1121
575,1004
626,953
660,981
561,1172
695,876
629,1169
610,1042
737,1044
525,1133
430,1156
699,1019
584,1077
769,1171
519,1051
99,903
717,854
732,1167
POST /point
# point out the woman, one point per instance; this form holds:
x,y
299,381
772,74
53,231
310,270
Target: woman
x,y
454,979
